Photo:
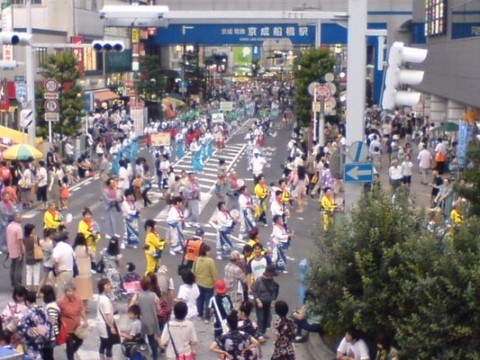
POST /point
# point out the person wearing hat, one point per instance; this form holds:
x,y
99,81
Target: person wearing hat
x,y
257,163
265,291
220,306
235,279
225,224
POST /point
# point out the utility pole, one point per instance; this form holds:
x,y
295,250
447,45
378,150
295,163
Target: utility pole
x,y
30,77
356,64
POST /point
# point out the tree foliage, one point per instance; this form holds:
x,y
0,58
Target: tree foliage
x,y
311,66
151,85
63,68
382,270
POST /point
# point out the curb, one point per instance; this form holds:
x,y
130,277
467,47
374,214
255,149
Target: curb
x,y
317,348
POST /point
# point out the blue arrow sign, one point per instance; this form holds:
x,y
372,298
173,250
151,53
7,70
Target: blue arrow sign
x,y
358,173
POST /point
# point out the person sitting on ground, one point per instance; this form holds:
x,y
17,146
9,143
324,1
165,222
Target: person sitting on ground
x,y
352,347
306,319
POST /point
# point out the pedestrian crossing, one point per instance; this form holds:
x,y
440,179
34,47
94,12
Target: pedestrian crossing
x,y
208,177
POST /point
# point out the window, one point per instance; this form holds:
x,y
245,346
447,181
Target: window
x,y
24,2
435,17
41,56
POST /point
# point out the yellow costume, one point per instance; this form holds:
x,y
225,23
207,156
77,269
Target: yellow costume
x,y
52,220
457,217
91,237
153,242
328,205
285,198
261,193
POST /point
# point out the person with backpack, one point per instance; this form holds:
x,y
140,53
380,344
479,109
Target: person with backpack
x,y
35,328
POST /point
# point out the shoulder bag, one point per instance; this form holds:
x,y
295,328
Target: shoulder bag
x,y
37,249
178,356
113,339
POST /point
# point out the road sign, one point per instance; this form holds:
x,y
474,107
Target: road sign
x,y
51,96
329,77
323,92
358,173
51,85
52,116
52,106
358,151
218,118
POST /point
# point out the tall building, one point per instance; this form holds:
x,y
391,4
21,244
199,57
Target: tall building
x,y
450,30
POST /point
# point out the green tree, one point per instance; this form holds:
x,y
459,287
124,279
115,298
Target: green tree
x,y
63,68
151,85
311,66
382,270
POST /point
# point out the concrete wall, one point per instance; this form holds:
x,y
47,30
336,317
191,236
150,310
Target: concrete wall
x,y
452,67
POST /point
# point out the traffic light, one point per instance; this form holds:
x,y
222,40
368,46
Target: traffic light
x,y
108,45
13,38
396,76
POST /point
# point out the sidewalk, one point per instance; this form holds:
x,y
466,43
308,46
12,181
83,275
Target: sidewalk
x,y
89,349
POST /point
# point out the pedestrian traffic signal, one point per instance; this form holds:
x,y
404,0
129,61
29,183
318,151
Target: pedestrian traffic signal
x,y
14,38
108,45
399,55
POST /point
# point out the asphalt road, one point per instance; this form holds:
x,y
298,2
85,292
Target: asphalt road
x,y
87,193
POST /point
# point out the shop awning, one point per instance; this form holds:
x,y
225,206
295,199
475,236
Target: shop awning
x,y
105,95
15,136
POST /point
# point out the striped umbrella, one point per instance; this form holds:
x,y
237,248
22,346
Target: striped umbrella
x,y
22,152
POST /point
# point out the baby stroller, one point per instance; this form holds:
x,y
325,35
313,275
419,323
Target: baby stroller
x,y
135,349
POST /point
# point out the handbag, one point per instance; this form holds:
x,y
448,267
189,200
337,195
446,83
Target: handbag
x,y
223,322
157,253
81,332
62,336
178,356
113,339
37,249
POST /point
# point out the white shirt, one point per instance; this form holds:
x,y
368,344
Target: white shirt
x,y
128,209
68,149
279,234
244,200
357,350
395,172
277,208
174,215
182,334
407,168
63,255
189,294
424,159
224,219
375,147
105,307
42,176
258,163
123,181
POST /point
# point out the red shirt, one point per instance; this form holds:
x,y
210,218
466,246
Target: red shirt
x,y
71,310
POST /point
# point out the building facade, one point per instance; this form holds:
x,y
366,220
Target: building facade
x,y
450,30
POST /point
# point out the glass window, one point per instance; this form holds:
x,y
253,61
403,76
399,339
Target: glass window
x,y
24,2
435,17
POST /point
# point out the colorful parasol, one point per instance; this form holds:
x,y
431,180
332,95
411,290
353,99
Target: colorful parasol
x,y
22,152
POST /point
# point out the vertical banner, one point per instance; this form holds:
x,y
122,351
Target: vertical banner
x,y
7,25
464,135
78,52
